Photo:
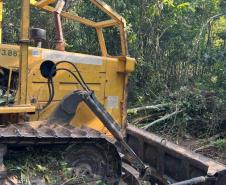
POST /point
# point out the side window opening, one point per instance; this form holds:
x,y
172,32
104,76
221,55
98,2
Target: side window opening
x,y
8,89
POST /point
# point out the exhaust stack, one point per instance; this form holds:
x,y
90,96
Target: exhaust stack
x,y
60,44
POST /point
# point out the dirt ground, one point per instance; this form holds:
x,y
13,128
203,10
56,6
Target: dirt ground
x,y
205,148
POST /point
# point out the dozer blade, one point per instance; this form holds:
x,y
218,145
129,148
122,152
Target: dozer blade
x,y
171,163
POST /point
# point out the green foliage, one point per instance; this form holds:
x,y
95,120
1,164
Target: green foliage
x,y
168,46
220,144
100,183
45,164
201,113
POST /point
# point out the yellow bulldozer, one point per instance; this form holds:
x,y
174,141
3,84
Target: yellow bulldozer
x,y
60,98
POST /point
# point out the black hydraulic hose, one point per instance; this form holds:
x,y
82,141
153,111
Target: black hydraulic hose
x,y
51,93
69,71
80,76
81,81
51,90
51,86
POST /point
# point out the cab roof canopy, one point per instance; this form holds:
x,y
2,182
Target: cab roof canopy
x,y
116,19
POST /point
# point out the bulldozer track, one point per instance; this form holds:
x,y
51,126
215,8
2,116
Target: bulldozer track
x,y
44,134
84,148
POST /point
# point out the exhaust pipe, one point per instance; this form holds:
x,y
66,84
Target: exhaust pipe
x,y
60,44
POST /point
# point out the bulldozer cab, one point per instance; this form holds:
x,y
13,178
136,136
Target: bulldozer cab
x,y
24,69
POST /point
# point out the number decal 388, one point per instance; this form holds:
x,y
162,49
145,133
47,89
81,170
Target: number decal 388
x,y
8,52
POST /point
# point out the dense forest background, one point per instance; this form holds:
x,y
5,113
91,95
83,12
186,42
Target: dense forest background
x,y
180,46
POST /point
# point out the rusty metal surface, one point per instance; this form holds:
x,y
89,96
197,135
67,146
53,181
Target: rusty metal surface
x,y
168,160
131,175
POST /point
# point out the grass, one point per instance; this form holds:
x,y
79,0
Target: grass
x,y
45,165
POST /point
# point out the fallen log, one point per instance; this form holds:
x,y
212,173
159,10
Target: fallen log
x,y
203,147
162,119
151,107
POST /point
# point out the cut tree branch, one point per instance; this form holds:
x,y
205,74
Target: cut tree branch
x,y
151,107
162,119
149,118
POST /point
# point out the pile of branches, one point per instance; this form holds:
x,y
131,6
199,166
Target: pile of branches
x,y
189,117
184,112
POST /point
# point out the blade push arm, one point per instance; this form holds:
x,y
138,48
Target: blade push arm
x,y
66,110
